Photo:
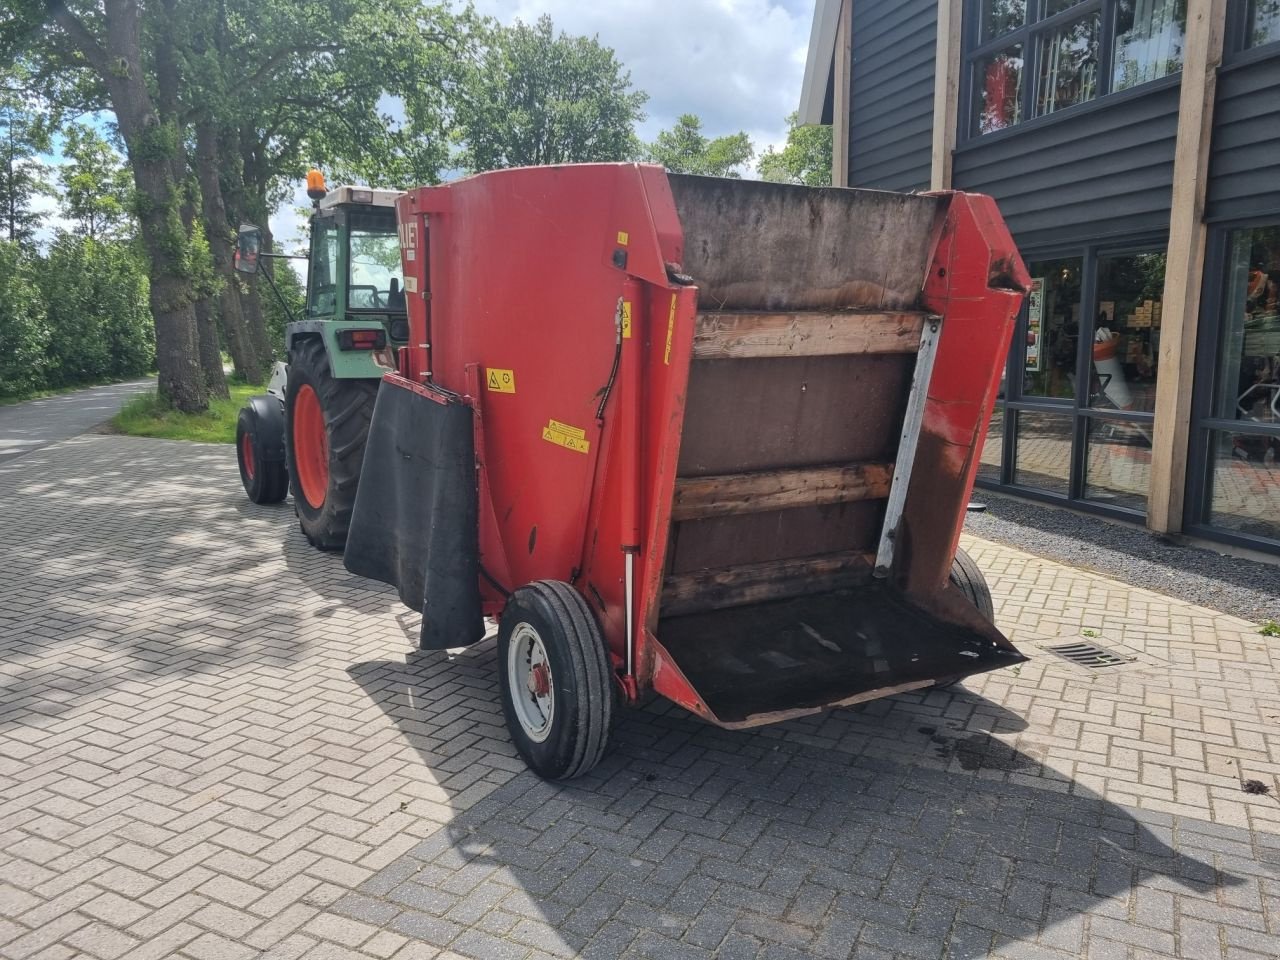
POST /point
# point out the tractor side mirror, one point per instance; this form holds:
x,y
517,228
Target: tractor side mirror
x,y
248,248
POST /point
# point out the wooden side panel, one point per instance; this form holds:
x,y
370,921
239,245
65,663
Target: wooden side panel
x,y
779,489
739,335
747,584
775,535
790,412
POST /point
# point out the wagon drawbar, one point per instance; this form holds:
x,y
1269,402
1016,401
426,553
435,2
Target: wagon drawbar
x,y
713,438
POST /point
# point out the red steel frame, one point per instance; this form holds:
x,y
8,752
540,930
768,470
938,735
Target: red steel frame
x,y
555,281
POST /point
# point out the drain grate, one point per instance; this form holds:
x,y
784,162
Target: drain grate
x,y
1089,655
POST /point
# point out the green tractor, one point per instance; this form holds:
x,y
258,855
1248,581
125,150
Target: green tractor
x,y
306,435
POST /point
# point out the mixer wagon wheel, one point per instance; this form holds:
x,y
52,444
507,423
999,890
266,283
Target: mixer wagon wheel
x,y
968,579
326,427
557,688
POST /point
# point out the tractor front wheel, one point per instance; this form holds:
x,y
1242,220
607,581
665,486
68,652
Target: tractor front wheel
x,y
326,427
556,680
260,450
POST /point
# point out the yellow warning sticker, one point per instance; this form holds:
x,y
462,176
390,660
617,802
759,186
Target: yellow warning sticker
x,y
571,438
500,381
671,326
626,319
623,238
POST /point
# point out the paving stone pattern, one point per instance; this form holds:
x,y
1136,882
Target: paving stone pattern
x,y
215,743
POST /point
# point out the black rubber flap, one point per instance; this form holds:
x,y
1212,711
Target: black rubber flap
x,y
414,524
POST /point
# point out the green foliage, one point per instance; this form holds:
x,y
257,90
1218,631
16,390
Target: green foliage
x,y
536,98
273,315
805,159
24,135
150,416
23,335
684,149
96,186
1270,629
99,321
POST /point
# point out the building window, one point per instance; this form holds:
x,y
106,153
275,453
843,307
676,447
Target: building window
x,y
1262,22
1069,53
1075,414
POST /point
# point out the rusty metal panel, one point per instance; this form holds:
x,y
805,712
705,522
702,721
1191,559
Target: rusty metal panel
x,y
772,246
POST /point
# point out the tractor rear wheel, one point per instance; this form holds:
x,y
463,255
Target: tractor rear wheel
x,y
326,427
260,450
557,684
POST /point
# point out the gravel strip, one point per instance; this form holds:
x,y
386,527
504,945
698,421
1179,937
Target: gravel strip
x,y
1242,588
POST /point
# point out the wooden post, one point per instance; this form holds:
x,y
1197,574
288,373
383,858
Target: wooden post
x,y
1184,266
946,92
842,96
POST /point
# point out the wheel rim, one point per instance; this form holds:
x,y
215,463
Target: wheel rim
x,y
532,686
310,446
246,455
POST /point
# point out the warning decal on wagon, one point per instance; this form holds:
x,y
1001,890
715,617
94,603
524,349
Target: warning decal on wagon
x,y
571,438
500,381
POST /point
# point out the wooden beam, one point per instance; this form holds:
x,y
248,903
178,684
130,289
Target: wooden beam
x,y
1184,266
761,582
946,93
719,336
736,493
842,96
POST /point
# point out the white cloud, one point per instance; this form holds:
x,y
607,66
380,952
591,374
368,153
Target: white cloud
x,y
737,64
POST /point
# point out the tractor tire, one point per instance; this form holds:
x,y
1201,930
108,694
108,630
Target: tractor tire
x,y
260,450
557,683
326,428
968,579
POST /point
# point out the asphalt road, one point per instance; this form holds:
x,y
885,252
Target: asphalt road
x,y
25,427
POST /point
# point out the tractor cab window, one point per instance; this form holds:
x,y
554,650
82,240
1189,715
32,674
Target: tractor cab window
x,y
322,298
377,277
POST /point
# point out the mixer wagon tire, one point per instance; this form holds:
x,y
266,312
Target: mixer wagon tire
x,y
326,428
557,684
260,450
968,579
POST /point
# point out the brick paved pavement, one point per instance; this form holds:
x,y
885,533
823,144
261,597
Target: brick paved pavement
x,y
216,743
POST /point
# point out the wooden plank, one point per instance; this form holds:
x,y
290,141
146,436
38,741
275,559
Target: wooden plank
x,y
735,493
946,93
1184,269
719,336
761,582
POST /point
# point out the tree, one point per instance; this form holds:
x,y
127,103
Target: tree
x,y
805,159
23,335
536,98
125,52
23,136
684,149
96,192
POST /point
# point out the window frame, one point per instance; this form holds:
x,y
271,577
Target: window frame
x,y
1029,35
1237,35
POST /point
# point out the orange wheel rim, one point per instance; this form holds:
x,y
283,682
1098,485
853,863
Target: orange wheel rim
x,y
246,454
310,446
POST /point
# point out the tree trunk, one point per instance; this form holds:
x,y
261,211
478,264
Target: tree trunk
x,y
244,352
256,320
215,377
153,144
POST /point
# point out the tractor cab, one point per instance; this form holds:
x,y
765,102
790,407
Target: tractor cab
x,y
355,286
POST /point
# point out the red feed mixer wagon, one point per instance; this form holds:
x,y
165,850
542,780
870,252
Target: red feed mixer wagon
x,y
710,438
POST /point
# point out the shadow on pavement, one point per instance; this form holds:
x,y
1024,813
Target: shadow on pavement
x,y
877,833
